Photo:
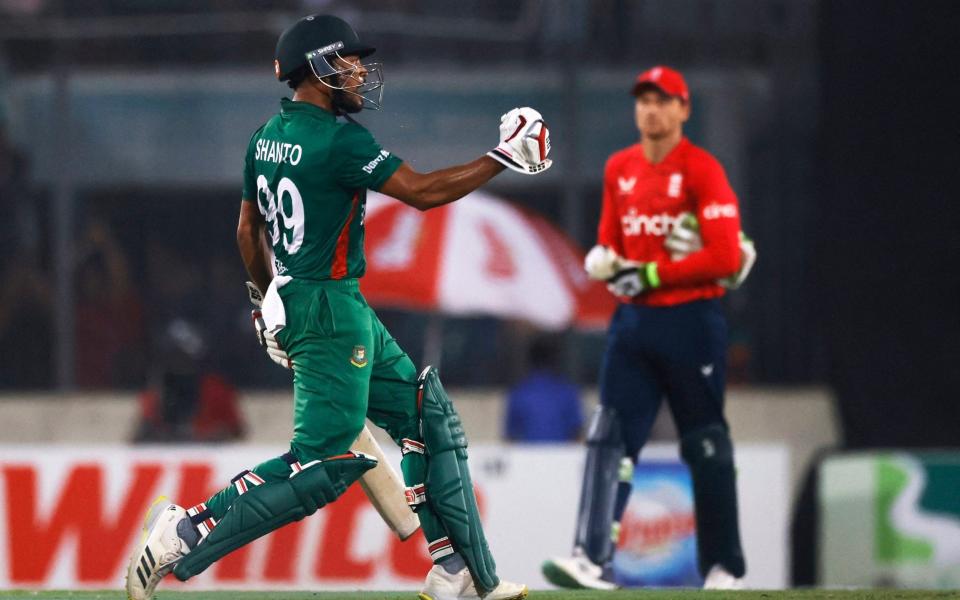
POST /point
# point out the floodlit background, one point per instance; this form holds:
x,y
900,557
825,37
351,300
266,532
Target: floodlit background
x,y
123,316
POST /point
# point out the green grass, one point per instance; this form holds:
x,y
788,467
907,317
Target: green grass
x,y
537,595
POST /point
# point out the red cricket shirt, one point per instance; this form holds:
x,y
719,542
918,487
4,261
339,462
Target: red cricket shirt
x,y
641,203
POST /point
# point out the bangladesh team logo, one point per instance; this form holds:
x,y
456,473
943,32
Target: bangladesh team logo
x,y
359,358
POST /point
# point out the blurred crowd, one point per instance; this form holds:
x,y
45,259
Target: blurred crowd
x,y
25,282
143,258
522,32
143,262
167,325
133,275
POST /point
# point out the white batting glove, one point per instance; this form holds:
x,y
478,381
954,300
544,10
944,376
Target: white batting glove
x,y
524,142
266,336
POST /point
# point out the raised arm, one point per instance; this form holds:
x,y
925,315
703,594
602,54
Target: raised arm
x,y
424,191
524,146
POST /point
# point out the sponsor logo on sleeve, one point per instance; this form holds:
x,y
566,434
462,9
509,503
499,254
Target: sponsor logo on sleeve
x,y
370,166
716,210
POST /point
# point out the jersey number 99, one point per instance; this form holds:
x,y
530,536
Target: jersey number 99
x,y
282,223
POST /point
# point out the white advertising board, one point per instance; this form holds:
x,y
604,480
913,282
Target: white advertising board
x,y
70,515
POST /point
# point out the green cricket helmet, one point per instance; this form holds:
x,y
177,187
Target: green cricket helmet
x,y
317,41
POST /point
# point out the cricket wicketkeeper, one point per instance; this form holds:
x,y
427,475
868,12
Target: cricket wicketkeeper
x,y
304,191
669,247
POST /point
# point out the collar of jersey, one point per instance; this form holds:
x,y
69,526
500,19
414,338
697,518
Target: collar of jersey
x,y
669,158
290,106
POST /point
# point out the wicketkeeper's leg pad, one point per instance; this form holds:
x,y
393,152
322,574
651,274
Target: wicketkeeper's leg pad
x,y
602,486
708,453
448,486
269,506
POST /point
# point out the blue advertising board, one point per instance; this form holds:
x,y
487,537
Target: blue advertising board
x,y
658,543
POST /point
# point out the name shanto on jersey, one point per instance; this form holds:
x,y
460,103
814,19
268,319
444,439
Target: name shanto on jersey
x,y
643,201
309,174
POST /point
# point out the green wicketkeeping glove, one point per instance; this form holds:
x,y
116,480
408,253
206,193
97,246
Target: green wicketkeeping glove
x,y
748,256
684,237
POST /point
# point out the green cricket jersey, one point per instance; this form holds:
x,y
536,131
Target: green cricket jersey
x,y
309,174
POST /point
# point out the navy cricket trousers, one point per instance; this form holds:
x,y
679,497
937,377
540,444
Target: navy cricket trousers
x,y
673,352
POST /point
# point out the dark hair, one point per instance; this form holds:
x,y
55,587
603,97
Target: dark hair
x,y
298,76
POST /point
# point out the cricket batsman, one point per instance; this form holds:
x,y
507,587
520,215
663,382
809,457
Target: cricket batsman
x,y
304,192
669,245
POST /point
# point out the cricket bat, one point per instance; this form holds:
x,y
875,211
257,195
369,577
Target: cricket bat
x,y
384,488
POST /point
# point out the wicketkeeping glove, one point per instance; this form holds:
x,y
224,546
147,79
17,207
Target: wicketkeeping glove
x,y
266,336
634,280
684,239
602,263
748,256
524,142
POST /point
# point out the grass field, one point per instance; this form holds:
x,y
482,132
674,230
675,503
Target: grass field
x,y
545,595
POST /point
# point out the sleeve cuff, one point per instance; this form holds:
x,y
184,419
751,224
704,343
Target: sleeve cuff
x,y
386,170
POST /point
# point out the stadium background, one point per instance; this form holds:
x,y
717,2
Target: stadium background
x,y
124,123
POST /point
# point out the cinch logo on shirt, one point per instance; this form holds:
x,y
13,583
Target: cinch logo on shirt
x,y
719,211
370,166
636,224
278,152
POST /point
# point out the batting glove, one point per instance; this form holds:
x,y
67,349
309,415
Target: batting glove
x,y
254,293
267,337
634,280
524,142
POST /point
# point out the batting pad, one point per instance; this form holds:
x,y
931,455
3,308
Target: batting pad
x,y
449,489
269,506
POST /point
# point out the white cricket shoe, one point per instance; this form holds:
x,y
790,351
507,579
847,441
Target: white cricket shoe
x,y
507,591
158,551
720,579
441,585
576,572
